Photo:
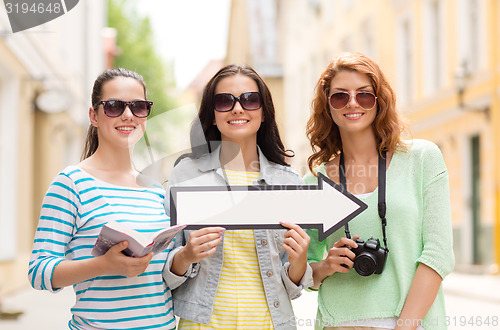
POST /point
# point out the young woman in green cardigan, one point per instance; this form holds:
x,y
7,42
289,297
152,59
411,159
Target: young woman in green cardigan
x,y
354,129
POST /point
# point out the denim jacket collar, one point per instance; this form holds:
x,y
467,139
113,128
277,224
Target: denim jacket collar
x,y
194,292
211,162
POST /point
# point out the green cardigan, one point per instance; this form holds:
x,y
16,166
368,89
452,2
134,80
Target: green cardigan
x,y
418,231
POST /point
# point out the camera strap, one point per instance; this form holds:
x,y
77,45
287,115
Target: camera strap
x,y
381,191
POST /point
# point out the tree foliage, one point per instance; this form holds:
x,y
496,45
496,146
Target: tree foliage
x,y
135,41
167,132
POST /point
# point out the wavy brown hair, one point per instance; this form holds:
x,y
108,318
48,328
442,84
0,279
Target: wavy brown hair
x,y
324,134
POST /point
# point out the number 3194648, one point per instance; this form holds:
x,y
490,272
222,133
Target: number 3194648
x,y
35,8
472,321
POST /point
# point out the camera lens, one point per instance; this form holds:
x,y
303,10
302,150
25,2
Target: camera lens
x,y
365,264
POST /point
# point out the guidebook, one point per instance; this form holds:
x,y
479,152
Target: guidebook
x,y
139,244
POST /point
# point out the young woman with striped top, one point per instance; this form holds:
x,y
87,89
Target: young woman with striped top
x,y
113,291
247,281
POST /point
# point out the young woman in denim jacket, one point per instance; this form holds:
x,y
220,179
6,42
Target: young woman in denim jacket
x,y
249,279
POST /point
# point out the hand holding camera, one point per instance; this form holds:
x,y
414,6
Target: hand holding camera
x,y
370,257
367,258
340,256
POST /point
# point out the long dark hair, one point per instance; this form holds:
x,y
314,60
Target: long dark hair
x,y
92,142
268,137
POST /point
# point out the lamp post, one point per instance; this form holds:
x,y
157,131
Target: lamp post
x,y
461,76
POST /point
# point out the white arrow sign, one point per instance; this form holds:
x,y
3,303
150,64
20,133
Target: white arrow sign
x,y
325,206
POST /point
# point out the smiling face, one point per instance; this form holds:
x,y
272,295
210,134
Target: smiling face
x,y
238,125
352,118
125,130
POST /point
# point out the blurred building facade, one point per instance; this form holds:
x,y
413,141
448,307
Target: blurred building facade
x,y
194,91
46,75
254,39
443,60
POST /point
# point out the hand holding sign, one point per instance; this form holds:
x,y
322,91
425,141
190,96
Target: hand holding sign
x,y
324,206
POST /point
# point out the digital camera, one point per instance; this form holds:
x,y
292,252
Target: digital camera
x,y
370,257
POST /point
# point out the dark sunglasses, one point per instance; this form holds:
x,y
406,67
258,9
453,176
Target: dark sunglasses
x,y
115,108
224,102
339,100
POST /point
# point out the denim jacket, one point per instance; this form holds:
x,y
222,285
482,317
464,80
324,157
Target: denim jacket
x,y
194,292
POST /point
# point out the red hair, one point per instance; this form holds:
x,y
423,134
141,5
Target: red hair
x,y
324,134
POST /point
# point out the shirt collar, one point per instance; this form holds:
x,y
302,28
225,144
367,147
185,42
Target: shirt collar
x,y
211,162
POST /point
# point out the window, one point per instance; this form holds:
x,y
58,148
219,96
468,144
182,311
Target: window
x,y
473,18
346,44
368,40
433,46
328,12
347,4
404,60
470,39
475,201
435,42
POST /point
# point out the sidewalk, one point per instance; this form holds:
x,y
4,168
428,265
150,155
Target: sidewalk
x,y
470,300
41,309
475,287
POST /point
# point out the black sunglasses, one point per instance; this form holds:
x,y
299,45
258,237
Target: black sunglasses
x,y
115,108
339,100
225,102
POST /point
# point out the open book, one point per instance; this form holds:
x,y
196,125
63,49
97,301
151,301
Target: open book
x,y
139,244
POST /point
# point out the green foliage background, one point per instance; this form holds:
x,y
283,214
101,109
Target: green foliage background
x,y
135,41
167,133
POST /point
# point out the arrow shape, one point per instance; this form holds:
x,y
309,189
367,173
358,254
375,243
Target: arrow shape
x,y
324,206
26,14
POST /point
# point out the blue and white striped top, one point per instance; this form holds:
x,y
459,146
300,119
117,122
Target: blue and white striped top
x,y
73,212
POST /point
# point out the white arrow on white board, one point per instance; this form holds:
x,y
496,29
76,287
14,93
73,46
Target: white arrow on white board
x,y
324,206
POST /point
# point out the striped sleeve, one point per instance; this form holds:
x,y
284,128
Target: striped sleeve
x,y
55,228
